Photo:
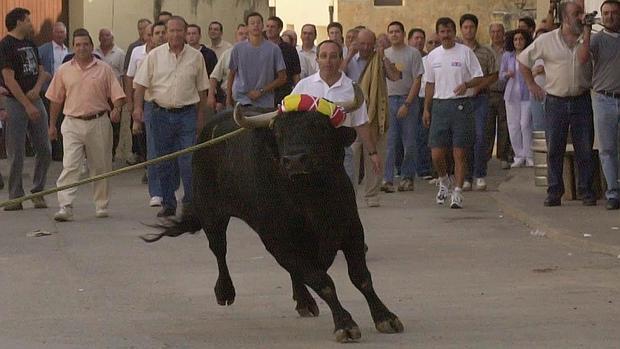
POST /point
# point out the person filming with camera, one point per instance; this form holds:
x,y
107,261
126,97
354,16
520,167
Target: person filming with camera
x,y
603,48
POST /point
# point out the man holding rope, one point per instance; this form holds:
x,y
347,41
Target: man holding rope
x,y
84,84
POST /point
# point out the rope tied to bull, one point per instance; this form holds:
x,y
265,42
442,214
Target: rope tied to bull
x,y
120,171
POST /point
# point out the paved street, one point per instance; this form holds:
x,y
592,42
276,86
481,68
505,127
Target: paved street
x,y
471,278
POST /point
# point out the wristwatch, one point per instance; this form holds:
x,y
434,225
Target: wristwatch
x,y
261,90
407,103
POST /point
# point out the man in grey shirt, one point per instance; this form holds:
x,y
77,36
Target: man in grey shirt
x,y
604,48
256,68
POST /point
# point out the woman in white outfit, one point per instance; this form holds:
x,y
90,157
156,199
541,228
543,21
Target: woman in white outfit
x,y
517,99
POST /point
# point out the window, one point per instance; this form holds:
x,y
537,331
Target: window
x,y
388,2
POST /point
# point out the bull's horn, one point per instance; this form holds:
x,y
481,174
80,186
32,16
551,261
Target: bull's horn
x,y
258,121
357,101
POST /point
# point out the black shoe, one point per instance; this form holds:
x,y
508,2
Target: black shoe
x,y
589,201
612,204
145,179
166,212
14,207
1,183
551,201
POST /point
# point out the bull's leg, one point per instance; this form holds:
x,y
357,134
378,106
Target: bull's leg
x,y
224,289
385,321
306,305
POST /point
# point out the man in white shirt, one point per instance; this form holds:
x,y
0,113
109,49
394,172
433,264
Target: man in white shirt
x,y
307,51
332,84
218,79
452,69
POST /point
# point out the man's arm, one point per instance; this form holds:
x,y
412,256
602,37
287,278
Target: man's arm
x,y
128,88
43,77
429,92
229,85
138,103
414,91
9,81
363,131
473,83
537,91
391,72
55,109
583,53
279,81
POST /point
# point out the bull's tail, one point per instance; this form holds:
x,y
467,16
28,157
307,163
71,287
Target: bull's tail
x,y
173,228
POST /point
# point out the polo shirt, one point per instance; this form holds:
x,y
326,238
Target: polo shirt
x,y
115,58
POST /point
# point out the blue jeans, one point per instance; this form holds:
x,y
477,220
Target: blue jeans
x,y
477,156
537,108
173,132
423,151
560,114
607,116
153,176
402,129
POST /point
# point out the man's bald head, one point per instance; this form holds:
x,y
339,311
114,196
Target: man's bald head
x,y
106,38
366,40
59,33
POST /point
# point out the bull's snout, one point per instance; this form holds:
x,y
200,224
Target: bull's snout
x,y
296,164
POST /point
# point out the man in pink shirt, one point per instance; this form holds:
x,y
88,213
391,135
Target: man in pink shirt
x,y
85,85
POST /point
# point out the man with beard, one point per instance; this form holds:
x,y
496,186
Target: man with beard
x,y
604,48
568,103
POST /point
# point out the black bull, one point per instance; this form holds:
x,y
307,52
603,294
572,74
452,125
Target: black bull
x,y
288,183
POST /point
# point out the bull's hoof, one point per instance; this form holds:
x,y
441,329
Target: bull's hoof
x,y
224,292
345,335
391,325
308,310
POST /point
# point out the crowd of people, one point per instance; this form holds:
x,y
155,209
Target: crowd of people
x,y
437,104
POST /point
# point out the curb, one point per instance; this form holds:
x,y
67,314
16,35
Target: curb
x,y
559,235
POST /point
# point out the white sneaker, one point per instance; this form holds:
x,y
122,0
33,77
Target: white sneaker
x,y
457,199
64,214
155,201
518,163
481,184
466,186
442,193
529,162
101,213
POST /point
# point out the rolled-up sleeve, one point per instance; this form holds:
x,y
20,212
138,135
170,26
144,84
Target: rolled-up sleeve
x,y
116,91
143,75
531,54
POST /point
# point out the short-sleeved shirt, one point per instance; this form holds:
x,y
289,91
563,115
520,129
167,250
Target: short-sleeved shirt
x,y
173,81
220,72
21,56
423,83
130,49
488,63
255,67
356,67
605,48
408,61
137,56
293,67
448,68
115,58
340,91
84,91
219,48
499,85
565,76
307,60
210,58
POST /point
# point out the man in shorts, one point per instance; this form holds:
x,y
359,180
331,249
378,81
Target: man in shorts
x,y
452,69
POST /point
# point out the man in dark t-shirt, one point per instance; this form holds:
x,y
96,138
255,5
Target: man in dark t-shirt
x,y
23,77
273,28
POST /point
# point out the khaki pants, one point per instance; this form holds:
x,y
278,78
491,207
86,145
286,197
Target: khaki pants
x,y
93,139
372,181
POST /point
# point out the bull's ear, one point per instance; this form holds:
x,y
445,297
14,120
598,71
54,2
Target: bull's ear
x,y
346,135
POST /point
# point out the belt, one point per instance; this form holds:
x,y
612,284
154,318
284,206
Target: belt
x,y
92,116
568,98
175,110
610,94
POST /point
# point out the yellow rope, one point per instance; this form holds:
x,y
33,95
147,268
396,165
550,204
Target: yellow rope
x,y
126,169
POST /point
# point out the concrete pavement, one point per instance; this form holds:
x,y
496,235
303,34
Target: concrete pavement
x,y
471,278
